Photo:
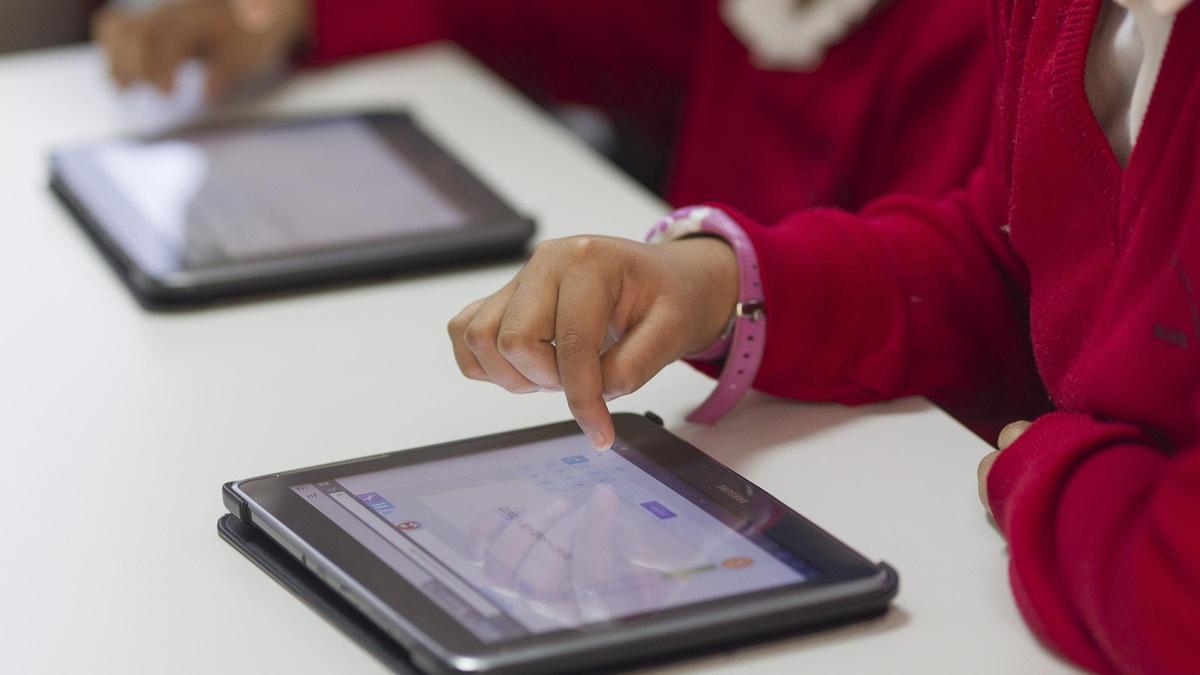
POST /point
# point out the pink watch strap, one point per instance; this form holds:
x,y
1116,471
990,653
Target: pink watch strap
x,y
743,347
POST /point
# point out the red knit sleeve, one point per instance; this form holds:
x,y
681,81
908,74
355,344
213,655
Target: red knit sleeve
x,y
625,55
1103,526
910,296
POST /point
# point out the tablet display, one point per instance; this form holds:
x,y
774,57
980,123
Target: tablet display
x,y
551,535
243,194
241,206
528,551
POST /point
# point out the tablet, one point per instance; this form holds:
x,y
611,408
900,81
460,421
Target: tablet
x,y
529,552
247,206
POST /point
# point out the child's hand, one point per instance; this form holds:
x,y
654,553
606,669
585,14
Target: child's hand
x,y
546,329
237,39
1008,436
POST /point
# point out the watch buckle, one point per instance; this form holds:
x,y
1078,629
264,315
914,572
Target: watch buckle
x,y
750,309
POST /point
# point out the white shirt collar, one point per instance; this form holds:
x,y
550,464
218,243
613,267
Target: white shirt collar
x,y
795,34
1160,7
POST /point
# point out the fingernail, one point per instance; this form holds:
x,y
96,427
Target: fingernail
x,y
597,440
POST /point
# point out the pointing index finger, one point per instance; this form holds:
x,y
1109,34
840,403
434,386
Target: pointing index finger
x,y
584,307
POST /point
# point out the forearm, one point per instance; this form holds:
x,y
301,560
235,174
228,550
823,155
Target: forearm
x,y
908,297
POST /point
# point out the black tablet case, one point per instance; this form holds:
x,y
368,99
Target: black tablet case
x,y
292,575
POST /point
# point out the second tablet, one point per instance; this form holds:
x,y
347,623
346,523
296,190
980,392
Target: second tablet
x,y
242,207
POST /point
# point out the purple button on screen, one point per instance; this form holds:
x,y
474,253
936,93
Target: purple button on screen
x,y
374,500
658,509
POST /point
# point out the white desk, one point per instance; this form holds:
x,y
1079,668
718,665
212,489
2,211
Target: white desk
x,y
117,427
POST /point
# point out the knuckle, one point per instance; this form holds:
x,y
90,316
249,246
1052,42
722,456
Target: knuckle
x,y
622,380
517,387
580,402
477,336
570,346
545,248
474,372
456,326
513,344
585,247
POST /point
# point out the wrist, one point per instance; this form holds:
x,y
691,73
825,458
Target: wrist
x,y
712,271
741,351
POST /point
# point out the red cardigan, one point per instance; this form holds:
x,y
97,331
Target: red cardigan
x,y
1098,282
885,113
1055,253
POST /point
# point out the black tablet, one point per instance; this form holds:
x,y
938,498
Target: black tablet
x,y
529,552
247,206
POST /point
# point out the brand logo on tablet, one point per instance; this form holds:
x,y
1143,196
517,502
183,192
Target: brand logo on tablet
x,y
733,494
408,525
737,563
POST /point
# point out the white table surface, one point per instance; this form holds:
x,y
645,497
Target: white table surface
x,y
118,426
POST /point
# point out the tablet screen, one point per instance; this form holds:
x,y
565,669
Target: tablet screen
x,y
214,197
551,535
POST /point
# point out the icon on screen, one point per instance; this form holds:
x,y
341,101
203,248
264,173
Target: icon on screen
x,y
574,459
689,572
658,510
375,501
736,563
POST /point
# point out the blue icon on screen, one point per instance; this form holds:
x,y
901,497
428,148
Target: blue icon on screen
x,y
658,509
574,459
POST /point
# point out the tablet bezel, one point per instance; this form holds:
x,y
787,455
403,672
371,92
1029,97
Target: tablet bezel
x,y
492,227
373,587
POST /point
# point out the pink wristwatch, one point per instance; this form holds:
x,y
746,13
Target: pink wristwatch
x,y
743,343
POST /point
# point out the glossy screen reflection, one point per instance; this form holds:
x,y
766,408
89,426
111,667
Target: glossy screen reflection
x,y
257,193
546,536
